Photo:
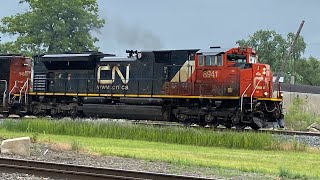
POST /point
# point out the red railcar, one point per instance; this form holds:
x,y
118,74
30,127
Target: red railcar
x,y
15,77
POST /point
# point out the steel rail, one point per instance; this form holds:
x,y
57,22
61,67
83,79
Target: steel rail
x,y
271,131
58,170
291,133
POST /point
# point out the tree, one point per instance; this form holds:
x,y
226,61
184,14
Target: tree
x,y
272,48
309,69
54,26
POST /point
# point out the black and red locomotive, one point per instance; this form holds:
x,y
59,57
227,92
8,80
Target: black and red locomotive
x,y
206,87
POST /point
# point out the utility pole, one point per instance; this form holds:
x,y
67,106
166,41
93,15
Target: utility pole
x,y
284,63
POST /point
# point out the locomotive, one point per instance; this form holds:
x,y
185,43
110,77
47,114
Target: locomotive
x,y
204,86
15,74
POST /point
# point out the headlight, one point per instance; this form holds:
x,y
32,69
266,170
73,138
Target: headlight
x,y
265,93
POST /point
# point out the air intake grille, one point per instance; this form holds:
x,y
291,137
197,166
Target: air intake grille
x,y
39,82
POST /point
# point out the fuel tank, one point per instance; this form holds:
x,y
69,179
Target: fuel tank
x,y
141,112
124,100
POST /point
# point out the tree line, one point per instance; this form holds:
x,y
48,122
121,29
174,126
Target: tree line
x,y
59,26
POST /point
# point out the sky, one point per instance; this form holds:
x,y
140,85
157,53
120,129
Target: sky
x,y
183,24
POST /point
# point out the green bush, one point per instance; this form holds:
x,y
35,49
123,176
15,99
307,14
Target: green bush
x,y
286,173
297,118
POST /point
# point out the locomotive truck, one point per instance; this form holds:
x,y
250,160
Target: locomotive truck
x,y
204,86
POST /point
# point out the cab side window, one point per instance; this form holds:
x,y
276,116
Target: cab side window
x,y
201,60
213,60
208,60
219,60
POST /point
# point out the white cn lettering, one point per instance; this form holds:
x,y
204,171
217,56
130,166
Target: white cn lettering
x,y
256,80
115,70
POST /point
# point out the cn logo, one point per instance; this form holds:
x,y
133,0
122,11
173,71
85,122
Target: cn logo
x,y
259,83
114,70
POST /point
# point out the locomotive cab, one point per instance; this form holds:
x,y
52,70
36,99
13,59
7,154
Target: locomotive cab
x,y
236,79
235,72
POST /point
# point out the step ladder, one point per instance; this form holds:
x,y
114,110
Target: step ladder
x,y
23,92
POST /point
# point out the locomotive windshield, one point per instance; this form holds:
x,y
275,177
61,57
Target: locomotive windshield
x,y
253,59
236,58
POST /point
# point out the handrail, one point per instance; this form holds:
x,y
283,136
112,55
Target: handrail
x,y
24,85
243,95
15,85
4,92
253,92
279,91
26,91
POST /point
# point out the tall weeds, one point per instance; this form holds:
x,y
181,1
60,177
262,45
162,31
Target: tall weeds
x,y
297,118
176,135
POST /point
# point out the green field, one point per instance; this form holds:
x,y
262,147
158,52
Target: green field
x,y
292,164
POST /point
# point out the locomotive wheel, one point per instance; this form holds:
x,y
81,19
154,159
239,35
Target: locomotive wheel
x,y
228,126
214,125
211,121
57,116
240,126
187,122
254,126
4,115
201,122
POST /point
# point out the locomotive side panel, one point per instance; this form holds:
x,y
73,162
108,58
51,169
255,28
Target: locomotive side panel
x,y
214,76
217,82
20,72
4,79
4,67
147,75
177,72
70,81
15,75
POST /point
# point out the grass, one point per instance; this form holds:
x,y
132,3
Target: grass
x,y
297,118
75,145
286,173
173,135
288,164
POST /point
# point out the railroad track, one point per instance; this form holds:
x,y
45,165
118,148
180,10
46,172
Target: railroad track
x,y
66,171
271,131
292,133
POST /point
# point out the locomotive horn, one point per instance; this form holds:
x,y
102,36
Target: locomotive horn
x,y
131,52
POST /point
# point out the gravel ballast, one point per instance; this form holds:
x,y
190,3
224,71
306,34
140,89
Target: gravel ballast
x,y
312,141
